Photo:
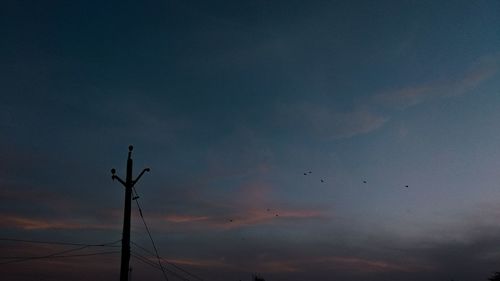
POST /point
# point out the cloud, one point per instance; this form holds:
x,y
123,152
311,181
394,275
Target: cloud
x,y
248,204
237,219
338,263
210,263
329,123
30,223
482,69
16,193
175,218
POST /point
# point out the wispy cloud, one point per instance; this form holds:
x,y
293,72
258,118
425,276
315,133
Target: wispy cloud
x,y
329,123
210,263
30,223
371,265
175,218
338,263
483,69
243,218
17,193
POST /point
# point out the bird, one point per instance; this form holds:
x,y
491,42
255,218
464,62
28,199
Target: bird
x,y
310,172
406,185
305,174
364,181
322,180
268,209
231,220
276,215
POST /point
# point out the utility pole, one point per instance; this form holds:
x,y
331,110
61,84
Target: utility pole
x,y
128,184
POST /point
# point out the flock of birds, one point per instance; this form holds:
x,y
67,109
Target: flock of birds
x,y
269,210
321,180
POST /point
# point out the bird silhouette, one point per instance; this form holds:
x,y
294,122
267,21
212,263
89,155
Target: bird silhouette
x,y
364,181
322,180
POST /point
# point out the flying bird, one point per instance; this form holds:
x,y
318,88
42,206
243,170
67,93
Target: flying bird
x,y
364,181
322,180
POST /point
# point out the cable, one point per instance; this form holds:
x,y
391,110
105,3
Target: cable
x,y
150,263
89,254
60,243
64,256
43,257
168,262
145,260
149,233
55,254
136,197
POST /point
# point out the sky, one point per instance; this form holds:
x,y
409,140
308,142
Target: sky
x,y
299,140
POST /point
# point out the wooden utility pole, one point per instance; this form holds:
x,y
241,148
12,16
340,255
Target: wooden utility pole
x,y
128,184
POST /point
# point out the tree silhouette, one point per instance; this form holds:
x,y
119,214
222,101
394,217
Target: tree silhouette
x,y
258,278
495,277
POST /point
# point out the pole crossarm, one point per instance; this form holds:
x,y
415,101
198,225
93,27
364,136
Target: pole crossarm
x,y
128,183
140,175
115,177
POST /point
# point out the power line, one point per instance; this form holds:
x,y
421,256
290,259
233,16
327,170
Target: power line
x,y
55,254
89,254
63,256
109,244
168,262
44,257
149,233
147,261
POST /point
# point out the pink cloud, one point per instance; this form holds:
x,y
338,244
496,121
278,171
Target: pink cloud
x,y
199,262
27,223
246,218
369,265
174,218
338,263
257,217
250,206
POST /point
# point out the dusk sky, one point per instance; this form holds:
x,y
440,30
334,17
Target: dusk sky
x,y
301,140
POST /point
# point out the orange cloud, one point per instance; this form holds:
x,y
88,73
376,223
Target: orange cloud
x,y
255,217
366,265
242,219
199,262
26,223
349,264
185,218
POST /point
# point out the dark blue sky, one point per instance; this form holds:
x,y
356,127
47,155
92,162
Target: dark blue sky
x,y
229,103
